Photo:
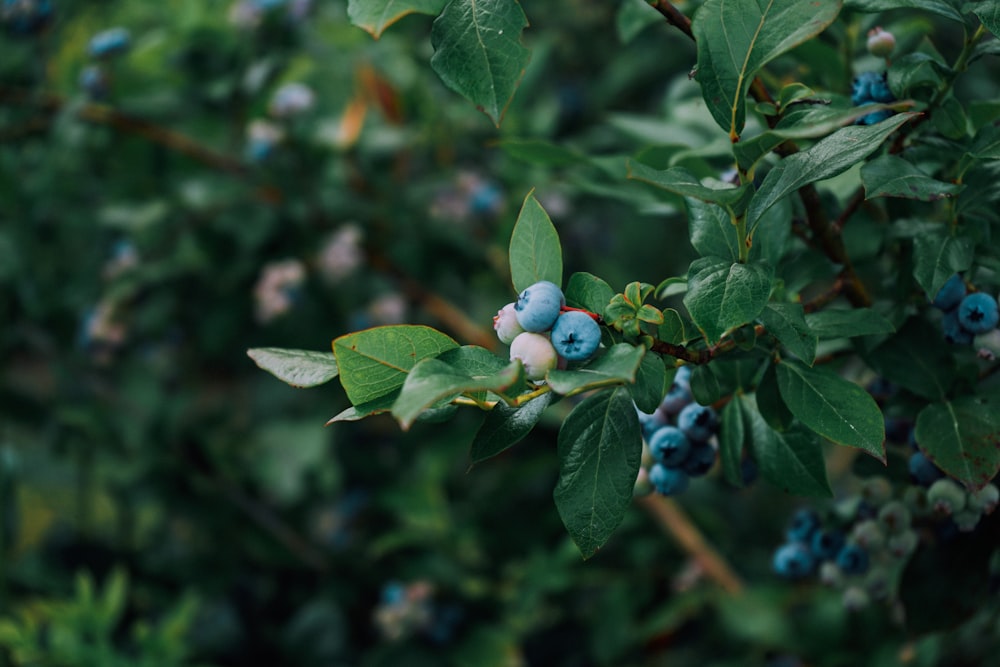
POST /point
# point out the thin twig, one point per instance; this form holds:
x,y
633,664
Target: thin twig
x,y
674,16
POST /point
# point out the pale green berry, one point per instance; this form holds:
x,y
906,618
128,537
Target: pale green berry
x,y
985,499
536,354
903,544
881,43
830,574
946,496
876,490
868,534
506,325
967,519
855,598
895,516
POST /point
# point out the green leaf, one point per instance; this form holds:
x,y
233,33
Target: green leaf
x,y
917,75
375,16
705,387
672,329
723,295
535,253
848,323
787,323
616,366
731,439
833,407
711,230
892,176
536,151
770,234
772,407
650,383
829,157
736,39
478,51
375,362
986,145
433,380
961,437
989,14
633,17
682,182
600,448
589,292
792,460
917,359
378,406
299,368
506,426
938,256
939,7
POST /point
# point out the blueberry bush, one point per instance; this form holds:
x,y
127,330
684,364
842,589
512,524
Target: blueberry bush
x,y
666,332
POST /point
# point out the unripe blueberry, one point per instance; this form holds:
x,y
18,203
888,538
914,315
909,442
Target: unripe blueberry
x,y
895,516
978,313
922,469
291,99
679,394
868,534
793,560
881,43
903,544
946,496
698,422
668,481
984,500
827,543
506,325
699,460
536,354
876,490
950,294
852,559
651,422
669,446
855,598
954,332
966,520
803,524
537,306
110,42
830,574
576,335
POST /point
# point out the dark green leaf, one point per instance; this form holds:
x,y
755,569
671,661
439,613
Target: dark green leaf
x,y
787,323
589,292
917,75
938,256
892,176
843,323
672,329
536,151
986,145
616,366
535,253
772,407
478,51
650,383
505,426
833,407
939,7
473,360
989,13
375,16
917,359
731,439
711,230
962,437
723,295
769,235
682,182
379,406
704,385
299,368
600,448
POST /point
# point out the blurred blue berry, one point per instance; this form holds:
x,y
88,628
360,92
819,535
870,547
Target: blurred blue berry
x,y
793,560
679,394
110,42
852,559
950,294
922,469
668,481
802,525
954,332
669,446
25,17
699,422
699,460
826,544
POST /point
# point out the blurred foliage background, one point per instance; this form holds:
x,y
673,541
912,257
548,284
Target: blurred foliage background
x,y
165,208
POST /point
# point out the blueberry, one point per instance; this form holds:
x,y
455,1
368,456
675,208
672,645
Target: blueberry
x,y
576,335
978,313
110,42
94,81
985,499
861,88
922,469
668,481
794,560
826,544
852,559
874,117
650,423
802,525
954,332
291,99
536,354
699,460
537,307
698,422
669,446
950,294
679,394
946,496
506,325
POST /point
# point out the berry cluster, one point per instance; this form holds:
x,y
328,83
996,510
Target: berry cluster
x,y
105,46
25,17
966,314
543,333
680,437
410,610
871,88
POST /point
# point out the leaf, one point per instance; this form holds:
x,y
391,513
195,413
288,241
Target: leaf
x,y
848,323
711,230
792,461
535,253
989,14
829,157
723,295
505,426
616,366
633,17
787,323
962,437
892,176
650,383
379,406
731,439
917,359
299,368
589,292
536,151
770,235
478,51
986,145
375,362
374,16
682,182
736,39
672,329
833,407
600,448
772,407
938,7
938,256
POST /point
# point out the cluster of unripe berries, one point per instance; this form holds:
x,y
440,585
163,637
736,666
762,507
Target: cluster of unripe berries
x,y
543,334
966,315
679,435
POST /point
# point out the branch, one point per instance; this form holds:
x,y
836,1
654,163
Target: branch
x,y
674,16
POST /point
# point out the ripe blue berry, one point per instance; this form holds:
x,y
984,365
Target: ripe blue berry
x,y
954,332
922,469
978,313
699,460
536,354
802,525
650,423
852,559
950,294
679,394
575,335
668,481
110,42
94,81
794,560
698,422
506,325
669,446
537,307
826,544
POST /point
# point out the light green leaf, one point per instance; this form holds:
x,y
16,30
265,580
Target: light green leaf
x,y
892,176
682,182
723,295
616,366
960,437
735,39
478,51
848,323
600,448
938,256
589,292
787,323
375,362
829,157
833,407
505,426
535,253
374,16
299,368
